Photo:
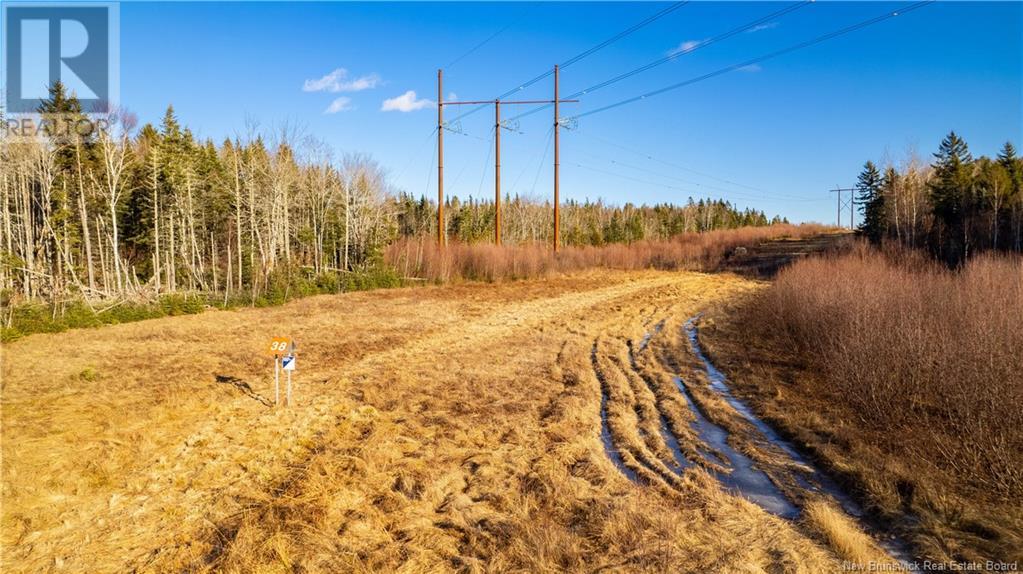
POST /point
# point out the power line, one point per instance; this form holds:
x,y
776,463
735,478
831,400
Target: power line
x,y
759,59
429,172
526,165
486,162
679,53
726,192
622,34
539,166
458,178
664,185
643,181
583,54
765,194
415,155
477,47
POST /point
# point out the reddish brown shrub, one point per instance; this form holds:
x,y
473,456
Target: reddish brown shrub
x,y
695,251
936,356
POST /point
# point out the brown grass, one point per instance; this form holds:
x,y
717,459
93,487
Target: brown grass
x,y
840,533
905,378
692,251
446,428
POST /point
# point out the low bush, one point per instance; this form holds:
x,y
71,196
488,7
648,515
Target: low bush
x,y
422,258
25,319
913,346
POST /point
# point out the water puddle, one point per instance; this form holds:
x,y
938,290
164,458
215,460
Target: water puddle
x,y
681,462
818,482
740,475
646,338
743,478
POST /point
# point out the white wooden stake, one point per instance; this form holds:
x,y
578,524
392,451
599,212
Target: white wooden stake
x,y
288,388
277,381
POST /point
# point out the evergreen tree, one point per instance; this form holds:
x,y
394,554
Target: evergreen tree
x,y
1008,160
139,218
871,200
951,193
62,113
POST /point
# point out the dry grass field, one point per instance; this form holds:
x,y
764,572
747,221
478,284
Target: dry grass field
x,y
453,428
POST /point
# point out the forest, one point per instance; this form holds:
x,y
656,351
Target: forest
x,y
134,213
954,207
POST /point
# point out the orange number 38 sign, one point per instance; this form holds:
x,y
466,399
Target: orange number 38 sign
x,y
279,345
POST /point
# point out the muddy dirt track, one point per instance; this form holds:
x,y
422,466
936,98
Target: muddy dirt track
x,y
467,428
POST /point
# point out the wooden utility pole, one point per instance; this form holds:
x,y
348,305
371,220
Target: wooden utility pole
x,y
440,159
497,157
557,166
497,172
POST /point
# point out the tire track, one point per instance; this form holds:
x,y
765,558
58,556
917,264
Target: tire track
x,y
504,323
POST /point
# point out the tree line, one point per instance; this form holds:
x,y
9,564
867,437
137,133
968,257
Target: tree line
x,y
955,207
526,220
140,212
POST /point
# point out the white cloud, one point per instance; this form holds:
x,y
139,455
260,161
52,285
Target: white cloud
x,y
342,104
406,102
687,46
452,97
326,83
367,82
751,68
760,27
337,81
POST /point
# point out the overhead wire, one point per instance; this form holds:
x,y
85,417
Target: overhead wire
x,y
719,190
415,155
539,166
525,166
477,47
490,150
764,194
759,59
665,185
676,54
583,54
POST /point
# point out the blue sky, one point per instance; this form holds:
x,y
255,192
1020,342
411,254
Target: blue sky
x,y
775,136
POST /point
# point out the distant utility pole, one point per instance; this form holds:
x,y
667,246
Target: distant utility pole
x,y
441,235
850,203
